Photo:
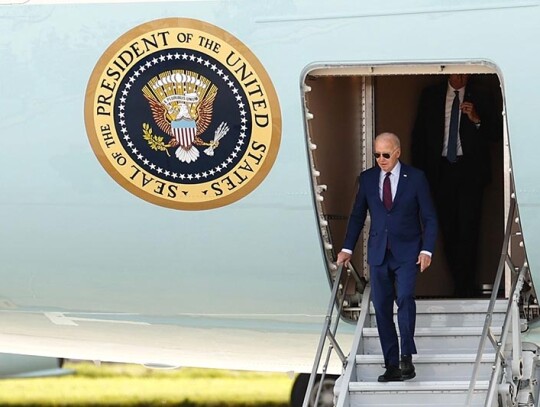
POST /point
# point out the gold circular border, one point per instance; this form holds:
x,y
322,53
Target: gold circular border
x,y
245,52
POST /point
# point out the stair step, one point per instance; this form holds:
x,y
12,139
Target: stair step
x,y
434,358
433,340
417,386
450,400
449,319
452,313
456,367
416,394
439,331
454,306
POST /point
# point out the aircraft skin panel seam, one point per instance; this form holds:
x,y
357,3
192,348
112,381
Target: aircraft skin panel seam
x,y
433,10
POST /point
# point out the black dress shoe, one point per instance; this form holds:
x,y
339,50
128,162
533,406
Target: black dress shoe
x,y
407,368
392,374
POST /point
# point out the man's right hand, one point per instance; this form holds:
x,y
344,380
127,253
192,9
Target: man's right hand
x,y
343,258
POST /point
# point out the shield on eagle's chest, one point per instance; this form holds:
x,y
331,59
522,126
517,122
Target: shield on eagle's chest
x,y
184,131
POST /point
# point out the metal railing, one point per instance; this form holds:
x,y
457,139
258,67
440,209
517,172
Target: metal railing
x,y
512,318
511,321
350,373
329,332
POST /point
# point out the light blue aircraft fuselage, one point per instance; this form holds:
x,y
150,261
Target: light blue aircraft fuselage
x,y
92,268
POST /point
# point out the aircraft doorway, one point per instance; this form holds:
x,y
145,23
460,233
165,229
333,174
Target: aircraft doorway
x,y
346,108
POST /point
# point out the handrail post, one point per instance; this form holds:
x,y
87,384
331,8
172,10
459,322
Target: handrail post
x,y
322,339
517,365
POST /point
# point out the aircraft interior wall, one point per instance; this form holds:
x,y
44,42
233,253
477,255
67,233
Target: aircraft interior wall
x,y
339,118
336,128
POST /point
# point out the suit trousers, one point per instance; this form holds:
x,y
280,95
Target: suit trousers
x,y
459,206
394,281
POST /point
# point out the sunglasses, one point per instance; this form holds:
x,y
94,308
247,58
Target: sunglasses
x,y
384,155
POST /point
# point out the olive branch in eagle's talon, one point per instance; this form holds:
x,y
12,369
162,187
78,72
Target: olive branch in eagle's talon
x,y
155,142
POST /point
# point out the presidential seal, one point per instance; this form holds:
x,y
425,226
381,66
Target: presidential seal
x,y
182,114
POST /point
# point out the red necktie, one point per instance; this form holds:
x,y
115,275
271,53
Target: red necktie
x,y
387,192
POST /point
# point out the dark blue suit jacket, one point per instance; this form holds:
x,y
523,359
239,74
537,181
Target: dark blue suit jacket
x,y
407,228
428,134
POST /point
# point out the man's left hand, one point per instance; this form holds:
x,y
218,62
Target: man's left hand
x,y
470,111
424,261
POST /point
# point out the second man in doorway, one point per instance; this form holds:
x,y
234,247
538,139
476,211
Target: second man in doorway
x,y
450,142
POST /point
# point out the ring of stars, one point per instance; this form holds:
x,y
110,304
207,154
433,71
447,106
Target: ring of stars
x,y
144,160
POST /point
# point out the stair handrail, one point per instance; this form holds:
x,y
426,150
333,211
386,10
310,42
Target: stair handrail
x,y
350,373
509,321
513,302
328,332
493,298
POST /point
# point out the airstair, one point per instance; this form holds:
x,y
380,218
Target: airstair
x,y
448,336
461,362
471,352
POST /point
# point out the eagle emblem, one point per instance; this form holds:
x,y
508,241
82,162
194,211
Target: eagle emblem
x,y
182,103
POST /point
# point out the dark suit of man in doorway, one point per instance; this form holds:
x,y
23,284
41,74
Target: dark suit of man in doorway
x,y
450,143
402,238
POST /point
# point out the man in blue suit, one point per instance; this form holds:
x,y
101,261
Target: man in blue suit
x,y
401,241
